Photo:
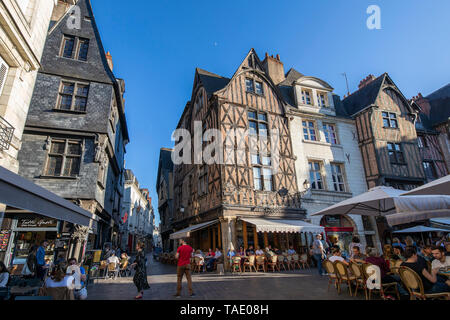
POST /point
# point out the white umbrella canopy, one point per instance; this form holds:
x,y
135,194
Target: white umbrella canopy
x,y
420,229
439,186
378,201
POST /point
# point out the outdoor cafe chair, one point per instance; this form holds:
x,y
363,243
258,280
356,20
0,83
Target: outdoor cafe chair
x,y
112,269
304,261
358,272
272,263
344,276
332,276
415,288
236,264
198,264
250,263
125,270
280,263
296,261
290,262
384,287
395,266
260,262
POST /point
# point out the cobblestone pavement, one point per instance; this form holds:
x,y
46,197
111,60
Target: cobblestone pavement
x,y
289,285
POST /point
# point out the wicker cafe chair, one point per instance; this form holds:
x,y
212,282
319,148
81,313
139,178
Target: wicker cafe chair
x,y
304,261
396,266
295,261
290,262
112,268
414,285
236,264
250,263
260,262
124,270
198,264
332,276
343,276
384,287
280,263
272,263
360,278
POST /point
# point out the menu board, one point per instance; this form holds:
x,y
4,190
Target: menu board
x,y
4,239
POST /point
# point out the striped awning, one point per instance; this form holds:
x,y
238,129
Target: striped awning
x,y
186,233
284,226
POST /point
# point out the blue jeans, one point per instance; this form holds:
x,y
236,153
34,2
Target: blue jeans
x,y
440,286
318,258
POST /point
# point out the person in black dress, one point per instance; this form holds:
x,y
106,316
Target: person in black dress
x,y
140,277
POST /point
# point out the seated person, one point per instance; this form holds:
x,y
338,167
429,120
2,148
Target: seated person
x,y
441,262
210,254
250,251
212,258
241,252
113,259
337,256
4,275
219,256
431,282
277,251
398,253
357,255
291,250
81,292
426,253
259,252
59,278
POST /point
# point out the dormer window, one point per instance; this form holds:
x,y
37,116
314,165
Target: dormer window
x,y
306,97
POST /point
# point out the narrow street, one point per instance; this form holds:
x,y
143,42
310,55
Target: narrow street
x,y
290,285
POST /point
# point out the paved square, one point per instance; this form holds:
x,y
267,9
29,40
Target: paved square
x,y
289,285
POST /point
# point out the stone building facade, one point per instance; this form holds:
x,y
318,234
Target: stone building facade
x,y
329,164
164,187
137,216
76,132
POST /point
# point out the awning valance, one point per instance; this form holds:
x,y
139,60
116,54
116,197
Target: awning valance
x,y
20,193
286,226
186,233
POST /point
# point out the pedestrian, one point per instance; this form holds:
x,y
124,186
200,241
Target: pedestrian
x,y
140,277
319,253
40,260
29,269
184,267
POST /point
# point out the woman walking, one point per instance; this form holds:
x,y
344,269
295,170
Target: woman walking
x,y
140,277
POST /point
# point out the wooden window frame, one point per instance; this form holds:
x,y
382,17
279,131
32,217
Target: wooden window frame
x,y
307,135
326,127
261,166
203,180
253,87
304,100
64,157
77,41
322,176
74,96
259,122
325,103
433,170
335,177
396,153
389,117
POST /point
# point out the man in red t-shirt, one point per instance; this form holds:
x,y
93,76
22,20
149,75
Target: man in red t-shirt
x,y
183,255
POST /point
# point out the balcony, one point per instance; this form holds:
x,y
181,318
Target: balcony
x,y
6,134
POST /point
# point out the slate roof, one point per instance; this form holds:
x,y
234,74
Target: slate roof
x,y
211,81
364,97
165,165
441,93
291,76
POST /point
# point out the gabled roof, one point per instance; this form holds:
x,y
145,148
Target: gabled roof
x,y
211,81
364,97
440,106
441,93
165,165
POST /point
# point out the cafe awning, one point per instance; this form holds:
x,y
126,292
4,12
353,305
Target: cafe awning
x,y
20,193
186,233
286,226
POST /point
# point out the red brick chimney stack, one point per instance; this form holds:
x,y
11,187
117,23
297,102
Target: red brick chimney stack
x,y
274,68
110,61
366,81
423,103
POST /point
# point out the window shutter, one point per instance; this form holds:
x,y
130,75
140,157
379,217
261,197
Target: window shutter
x,y
3,74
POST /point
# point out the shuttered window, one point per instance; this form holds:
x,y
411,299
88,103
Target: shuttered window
x,y
3,74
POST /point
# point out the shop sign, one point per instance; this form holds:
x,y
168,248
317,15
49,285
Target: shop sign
x,y
37,223
4,239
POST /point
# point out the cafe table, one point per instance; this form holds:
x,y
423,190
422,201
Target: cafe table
x,y
23,291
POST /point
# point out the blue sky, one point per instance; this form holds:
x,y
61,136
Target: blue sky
x,y
156,46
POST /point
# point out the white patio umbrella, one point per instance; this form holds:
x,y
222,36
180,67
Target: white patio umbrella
x,y
390,202
439,186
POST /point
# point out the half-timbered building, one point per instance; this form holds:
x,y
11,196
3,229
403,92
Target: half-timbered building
x,y
245,200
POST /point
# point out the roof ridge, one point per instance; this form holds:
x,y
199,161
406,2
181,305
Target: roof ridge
x,y
208,73
365,86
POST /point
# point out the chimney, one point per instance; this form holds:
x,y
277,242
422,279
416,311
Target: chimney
x,y
110,61
274,68
366,81
423,103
